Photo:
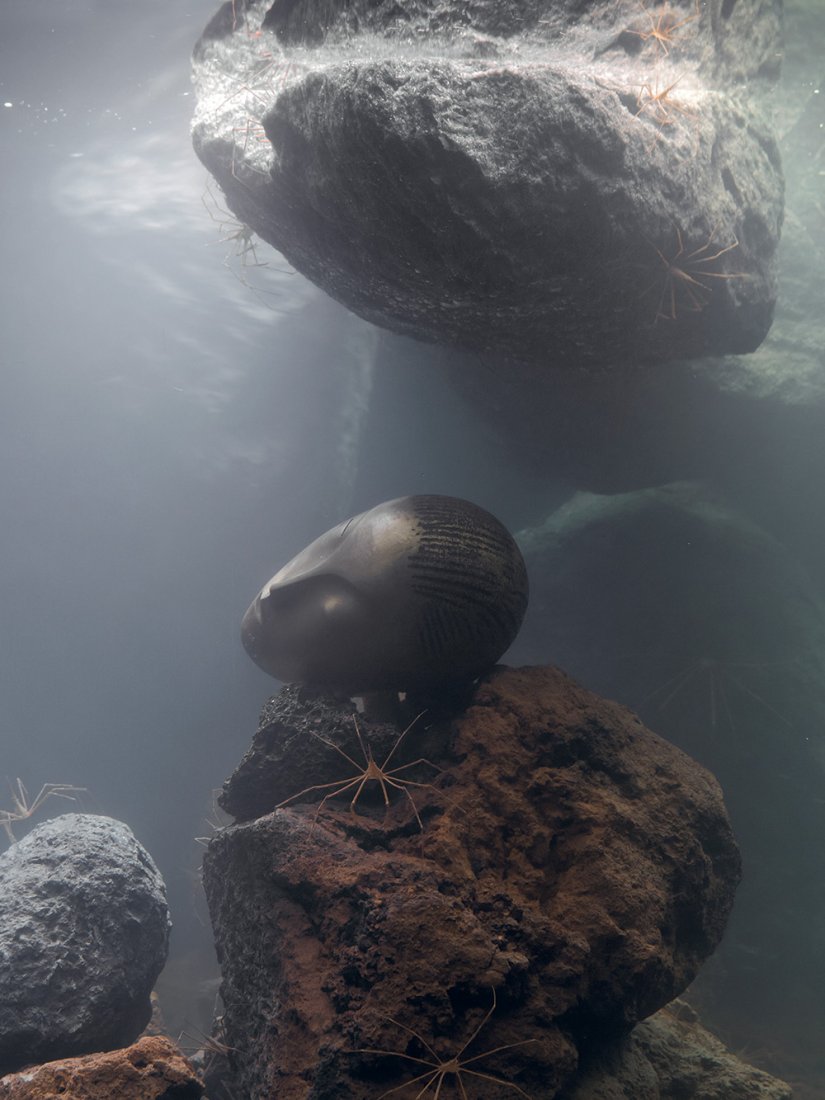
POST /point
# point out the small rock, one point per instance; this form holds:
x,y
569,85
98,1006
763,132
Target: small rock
x,y
152,1069
671,1056
84,931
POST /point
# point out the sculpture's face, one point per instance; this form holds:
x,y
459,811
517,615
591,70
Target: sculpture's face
x,y
318,615
381,599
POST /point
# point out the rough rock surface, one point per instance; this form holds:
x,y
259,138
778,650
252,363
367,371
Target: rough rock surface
x,y
752,423
84,931
671,1057
152,1069
571,873
727,418
586,183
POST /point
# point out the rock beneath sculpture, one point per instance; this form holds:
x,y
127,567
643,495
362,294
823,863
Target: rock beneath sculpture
x,y
588,183
669,1057
84,931
152,1069
553,871
287,755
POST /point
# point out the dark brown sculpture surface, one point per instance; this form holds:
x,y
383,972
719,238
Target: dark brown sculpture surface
x,y
555,872
414,593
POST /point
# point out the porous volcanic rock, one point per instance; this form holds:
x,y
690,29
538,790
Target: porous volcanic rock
x,y
586,182
556,873
152,1069
84,931
287,755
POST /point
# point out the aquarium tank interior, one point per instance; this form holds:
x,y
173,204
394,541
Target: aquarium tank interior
x,y
413,577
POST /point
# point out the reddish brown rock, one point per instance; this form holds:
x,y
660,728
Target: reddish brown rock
x,y
151,1069
574,870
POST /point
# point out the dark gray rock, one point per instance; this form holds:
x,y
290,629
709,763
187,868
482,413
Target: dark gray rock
x,y
554,867
84,930
671,1056
585,183
752,423
288,754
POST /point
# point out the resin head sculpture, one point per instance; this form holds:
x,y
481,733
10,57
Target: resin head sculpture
x,y
415,593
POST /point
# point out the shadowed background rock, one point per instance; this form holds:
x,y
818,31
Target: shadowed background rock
x,y
576,183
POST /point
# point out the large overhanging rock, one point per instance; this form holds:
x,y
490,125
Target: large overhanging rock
x,y
583,182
